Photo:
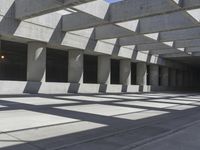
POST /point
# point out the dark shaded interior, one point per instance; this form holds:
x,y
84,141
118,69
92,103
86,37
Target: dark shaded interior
x,y
56,66
14,64
133,73
115,71
159,76
169,77
90,69
148,74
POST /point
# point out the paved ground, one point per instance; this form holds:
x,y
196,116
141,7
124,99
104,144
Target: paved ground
x,y
153,121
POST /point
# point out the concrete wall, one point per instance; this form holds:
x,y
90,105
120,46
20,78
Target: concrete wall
x,y
47,29
20,87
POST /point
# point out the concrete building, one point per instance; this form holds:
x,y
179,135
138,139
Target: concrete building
x,y
91,46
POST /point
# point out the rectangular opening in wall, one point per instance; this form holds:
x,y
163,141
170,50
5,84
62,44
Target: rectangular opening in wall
x,y
177,77
159,76
115,71
56,66
148,74
90,66
133,73
13,62
169,77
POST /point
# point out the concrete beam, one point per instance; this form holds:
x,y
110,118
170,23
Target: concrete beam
x,y
195,53
189,4
25,9
171,21
135,40
167,22
187,43
88,15
97,8
164,51
193,49
153,46
174,55
111,31
134,9
120,15
183,34
79,20
123,11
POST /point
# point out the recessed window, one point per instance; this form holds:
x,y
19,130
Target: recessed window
x,y
115,71
133,73
148,74
56,66
90,69
13,61
160,76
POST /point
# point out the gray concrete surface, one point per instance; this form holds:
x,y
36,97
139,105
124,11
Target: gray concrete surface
x,y
103,121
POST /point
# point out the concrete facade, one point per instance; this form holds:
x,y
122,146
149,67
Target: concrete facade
x,y
129,35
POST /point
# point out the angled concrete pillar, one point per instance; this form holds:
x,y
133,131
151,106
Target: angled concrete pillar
x,y
104,69
75,68
172,78
36,66
125,72
164,76
154,75
141,73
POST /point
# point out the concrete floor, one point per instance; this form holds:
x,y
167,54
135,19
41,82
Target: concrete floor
x,y
151,121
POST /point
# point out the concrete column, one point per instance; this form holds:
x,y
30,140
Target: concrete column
x,y
141,73
185,79
164,76
179,78
36,66
125,72
172,78
75,68
104,69
154,75
190,79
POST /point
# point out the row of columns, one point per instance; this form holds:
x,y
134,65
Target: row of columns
x,y
36,69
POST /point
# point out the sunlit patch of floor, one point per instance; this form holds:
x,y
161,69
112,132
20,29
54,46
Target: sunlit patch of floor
x,y
22,119
7,141
121,97
88,98
37,100
1,106
182,107
143,96
187,98
142,115
104,110
172,101
147,104
56,131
